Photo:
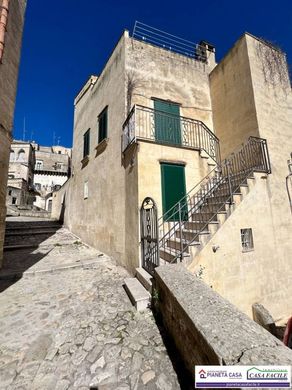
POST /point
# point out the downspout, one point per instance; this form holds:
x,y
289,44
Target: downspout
x,y
288,191
288,178
4,9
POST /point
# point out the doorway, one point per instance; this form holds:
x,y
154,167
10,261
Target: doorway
x,y
173,188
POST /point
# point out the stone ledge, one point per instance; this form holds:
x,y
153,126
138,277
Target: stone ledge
x,y
207,329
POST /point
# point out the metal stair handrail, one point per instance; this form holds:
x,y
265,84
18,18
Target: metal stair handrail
x,y
221,183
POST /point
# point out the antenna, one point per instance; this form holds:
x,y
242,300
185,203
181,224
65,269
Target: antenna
x,y
59,139
24,130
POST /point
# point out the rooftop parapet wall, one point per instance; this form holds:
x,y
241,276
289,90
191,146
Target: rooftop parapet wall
x,y
209,330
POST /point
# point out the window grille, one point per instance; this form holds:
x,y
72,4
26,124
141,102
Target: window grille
x,y
246,240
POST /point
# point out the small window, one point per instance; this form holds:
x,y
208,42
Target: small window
x,y
59,152
85,189
246,240
10,176
14,200
58,166
102,125
86,143
39,164
10,192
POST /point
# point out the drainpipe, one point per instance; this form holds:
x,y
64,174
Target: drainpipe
x,y
3,22
288,178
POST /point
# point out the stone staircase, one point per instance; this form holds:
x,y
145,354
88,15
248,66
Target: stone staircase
x,y
187,227
203,224
29,234
139,289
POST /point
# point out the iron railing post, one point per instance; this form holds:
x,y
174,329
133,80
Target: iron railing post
x,y
180,232
229,180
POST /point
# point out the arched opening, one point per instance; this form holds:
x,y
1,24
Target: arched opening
x,y
21,155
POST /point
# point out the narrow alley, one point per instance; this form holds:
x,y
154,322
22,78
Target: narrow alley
x,y
66,321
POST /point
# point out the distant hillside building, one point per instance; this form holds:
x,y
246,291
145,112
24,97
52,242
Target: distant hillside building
x,y
11,27
36,171
51,171
20,174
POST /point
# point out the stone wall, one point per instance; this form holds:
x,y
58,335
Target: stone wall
x,y
209,330
8,82
245,104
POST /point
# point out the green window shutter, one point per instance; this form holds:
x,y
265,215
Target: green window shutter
x,y
173,186
102,125
86,143
167,122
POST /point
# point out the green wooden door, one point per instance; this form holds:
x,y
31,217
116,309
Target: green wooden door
x,y
173,184
167,122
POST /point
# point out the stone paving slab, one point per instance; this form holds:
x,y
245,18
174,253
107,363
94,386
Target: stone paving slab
x,y
76,328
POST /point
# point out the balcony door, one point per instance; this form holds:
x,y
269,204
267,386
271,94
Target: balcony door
x,y
173,186
167,122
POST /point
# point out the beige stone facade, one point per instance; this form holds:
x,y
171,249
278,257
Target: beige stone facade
x,y
101,201
117,183
245,103
8,81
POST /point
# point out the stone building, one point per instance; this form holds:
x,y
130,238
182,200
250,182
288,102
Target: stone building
x,y
11,26
209,144
20,174
51,171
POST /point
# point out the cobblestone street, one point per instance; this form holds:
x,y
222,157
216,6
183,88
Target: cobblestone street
x,y
67,323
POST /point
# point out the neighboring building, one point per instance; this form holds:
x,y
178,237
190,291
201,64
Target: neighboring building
x,y
51,171
11,26
20,175
35,172
145,127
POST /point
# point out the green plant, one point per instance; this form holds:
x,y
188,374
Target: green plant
x,y
199,273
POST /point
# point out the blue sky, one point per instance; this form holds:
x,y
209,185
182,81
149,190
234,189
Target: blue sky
x,y
67,40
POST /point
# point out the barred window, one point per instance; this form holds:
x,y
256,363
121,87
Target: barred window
x,y
246,239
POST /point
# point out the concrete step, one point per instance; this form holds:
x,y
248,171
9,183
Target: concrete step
x,y
138,295
144,278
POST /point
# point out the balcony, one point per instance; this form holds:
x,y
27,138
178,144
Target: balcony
x,y
147,124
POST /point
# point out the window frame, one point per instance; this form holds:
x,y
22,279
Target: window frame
x,y
86,143
103,132
246,238
85,189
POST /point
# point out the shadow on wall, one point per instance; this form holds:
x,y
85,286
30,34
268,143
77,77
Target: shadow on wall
x,y
63,208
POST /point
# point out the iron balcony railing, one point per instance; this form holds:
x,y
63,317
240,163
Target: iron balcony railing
x,y
144,123
180,226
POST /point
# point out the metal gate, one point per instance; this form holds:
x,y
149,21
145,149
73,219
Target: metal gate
x,y
149,235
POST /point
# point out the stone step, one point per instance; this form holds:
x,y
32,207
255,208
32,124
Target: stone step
x,y
144,278
170,254
138,295
32,227
28,232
